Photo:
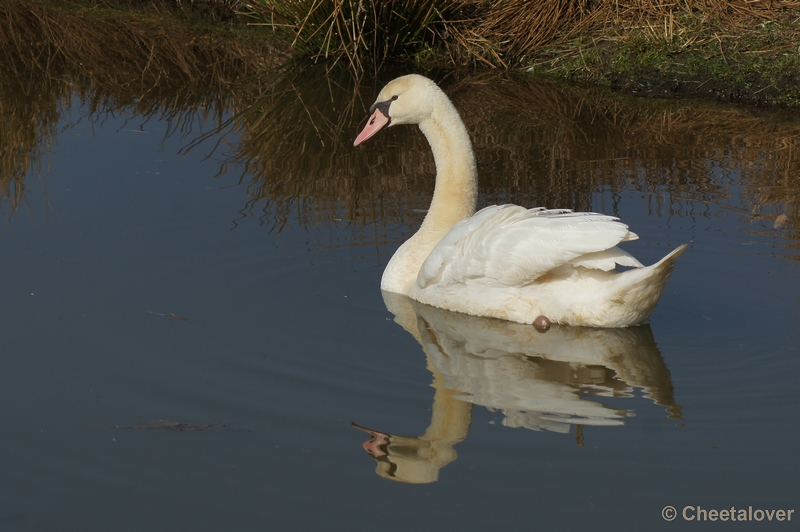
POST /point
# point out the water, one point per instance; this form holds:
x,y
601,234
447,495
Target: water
x,y
189,334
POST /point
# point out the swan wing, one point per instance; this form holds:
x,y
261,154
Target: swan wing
x,y
508,245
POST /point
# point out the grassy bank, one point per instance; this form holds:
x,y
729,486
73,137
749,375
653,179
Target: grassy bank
x,y
746,52
737,50
733,50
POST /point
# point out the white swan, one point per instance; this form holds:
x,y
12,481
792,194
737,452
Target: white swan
x,y
506,261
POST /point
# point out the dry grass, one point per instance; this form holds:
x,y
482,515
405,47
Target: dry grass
x,y
364,33
506,32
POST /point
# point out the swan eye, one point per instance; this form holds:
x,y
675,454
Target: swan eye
x,y
394,97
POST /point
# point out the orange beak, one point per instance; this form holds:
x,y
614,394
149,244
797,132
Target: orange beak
x,y
375,123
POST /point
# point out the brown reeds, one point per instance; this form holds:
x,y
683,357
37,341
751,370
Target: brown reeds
x,y
361,32
507,32
518,29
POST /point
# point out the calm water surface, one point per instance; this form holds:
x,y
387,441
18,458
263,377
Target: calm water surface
x,y
191,326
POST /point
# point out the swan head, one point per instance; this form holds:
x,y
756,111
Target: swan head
x,y
406,100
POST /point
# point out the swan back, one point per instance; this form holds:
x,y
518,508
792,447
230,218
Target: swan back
x,y
506,245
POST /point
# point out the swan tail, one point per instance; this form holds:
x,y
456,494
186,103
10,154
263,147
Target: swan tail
x,y
642,288
669,260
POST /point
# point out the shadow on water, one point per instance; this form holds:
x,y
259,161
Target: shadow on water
x,y
538,381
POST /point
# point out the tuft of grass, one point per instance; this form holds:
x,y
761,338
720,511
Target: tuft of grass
x,y
363,32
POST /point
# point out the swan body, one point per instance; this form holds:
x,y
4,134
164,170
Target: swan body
x,y
506,261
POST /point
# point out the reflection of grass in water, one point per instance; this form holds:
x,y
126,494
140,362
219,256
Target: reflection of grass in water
x,y
296,151
587,140
47,57
30,106
537,144
28,127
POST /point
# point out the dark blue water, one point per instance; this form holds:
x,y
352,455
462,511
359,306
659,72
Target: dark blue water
x,y
175,360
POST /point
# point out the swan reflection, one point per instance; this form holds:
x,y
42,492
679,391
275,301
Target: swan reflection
x,y
538,381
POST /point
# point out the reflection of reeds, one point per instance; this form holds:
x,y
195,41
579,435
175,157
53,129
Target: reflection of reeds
x,y
29,107
296,148
537,144
48,56
685,156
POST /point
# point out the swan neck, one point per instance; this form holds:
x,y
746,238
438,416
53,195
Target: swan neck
x,y
456,190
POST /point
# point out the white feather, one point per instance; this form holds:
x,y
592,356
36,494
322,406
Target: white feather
x,y
508,245
607,260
